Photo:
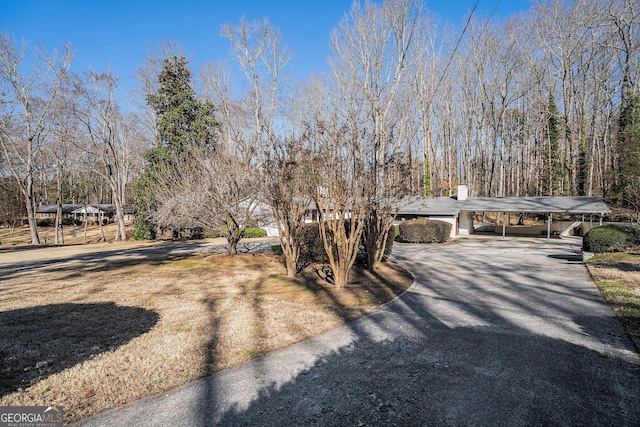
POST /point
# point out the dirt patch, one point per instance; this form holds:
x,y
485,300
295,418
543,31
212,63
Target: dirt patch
x,y
94,334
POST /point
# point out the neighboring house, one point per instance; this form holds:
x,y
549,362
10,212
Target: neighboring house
x,y
91,212
49,211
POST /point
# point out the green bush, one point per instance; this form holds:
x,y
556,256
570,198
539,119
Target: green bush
x,y
44,222
611,238
311,246
253,232
50,222
424,231
142,230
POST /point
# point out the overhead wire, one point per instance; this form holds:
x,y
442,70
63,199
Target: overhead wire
x,y
464,30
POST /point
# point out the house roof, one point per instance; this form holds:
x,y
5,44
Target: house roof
x,y
541,204
52,209
446,206
79,208
430,206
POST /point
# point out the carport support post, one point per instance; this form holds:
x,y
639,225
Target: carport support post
x,y
548,227
504,225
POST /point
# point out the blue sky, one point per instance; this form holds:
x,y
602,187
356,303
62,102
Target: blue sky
x,y
118,33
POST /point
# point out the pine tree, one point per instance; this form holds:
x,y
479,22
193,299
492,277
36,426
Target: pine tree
x,y
183,122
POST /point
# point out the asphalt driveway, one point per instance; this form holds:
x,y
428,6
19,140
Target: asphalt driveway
x,y
494,333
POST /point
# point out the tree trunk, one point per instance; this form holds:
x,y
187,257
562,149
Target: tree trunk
x,y
86,224
375,236
291,259
121,230
59,236
31,209
232,246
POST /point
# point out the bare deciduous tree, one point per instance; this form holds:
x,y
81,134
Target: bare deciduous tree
x,y
259,51
209,189
28,98
373,47
340,188
110,140
262,56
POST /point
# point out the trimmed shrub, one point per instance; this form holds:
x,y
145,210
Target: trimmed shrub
x,y
195,233
424,231
253,232
44,223
611,238
311,247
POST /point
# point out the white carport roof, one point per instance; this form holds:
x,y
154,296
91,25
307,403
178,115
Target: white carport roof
x,y
436,206
578,205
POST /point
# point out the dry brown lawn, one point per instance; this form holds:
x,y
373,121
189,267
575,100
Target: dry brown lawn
x,y
91,336
617,275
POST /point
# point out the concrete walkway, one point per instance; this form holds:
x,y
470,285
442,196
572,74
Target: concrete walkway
x,y
494,333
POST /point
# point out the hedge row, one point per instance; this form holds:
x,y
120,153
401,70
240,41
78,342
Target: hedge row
x,y
424,231
50,222
611,238
312,247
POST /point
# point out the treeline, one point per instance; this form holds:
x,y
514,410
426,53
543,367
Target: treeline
x,y
543,103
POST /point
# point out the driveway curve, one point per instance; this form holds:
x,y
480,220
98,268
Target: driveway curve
x,y
493,333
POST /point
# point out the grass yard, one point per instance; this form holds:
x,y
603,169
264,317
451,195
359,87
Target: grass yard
x,y
99,326
617,275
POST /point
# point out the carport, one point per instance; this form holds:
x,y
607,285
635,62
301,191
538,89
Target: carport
x,y
544,205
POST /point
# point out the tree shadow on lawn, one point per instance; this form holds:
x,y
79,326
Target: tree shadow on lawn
x,y
618,265
110,260
37,342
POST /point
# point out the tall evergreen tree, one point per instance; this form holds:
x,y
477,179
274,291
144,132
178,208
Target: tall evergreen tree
x,y
629,163
183,122
552,171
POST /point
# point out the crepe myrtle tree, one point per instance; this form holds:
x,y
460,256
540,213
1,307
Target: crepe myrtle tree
x,y
286,192
340,189
372,47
